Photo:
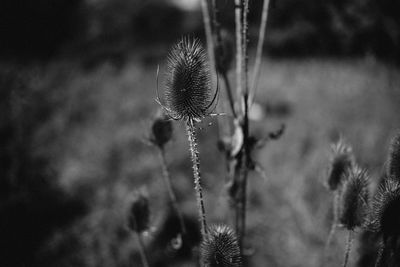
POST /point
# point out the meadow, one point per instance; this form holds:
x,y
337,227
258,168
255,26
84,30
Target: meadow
x,y
95,138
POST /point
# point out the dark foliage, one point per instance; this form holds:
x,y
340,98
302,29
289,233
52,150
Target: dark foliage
x,y
32,206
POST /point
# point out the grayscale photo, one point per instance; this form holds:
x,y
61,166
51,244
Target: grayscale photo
x,y
200,133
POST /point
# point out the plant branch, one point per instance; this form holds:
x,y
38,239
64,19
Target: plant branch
x,y
208,31
260,45
142,250
167,181
194,153
348,247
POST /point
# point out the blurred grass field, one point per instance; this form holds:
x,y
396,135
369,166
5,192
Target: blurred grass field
x,y
94,139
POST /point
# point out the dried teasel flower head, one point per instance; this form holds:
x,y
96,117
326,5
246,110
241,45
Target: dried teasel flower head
x,y
188,93
139,212
342,159
354,200
393,165
161,130
224,52
386,206
220,248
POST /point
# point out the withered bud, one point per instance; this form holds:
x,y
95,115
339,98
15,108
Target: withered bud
x,y
139,213
161,131
342,159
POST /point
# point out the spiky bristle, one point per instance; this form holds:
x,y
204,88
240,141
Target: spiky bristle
x,y
188,88
220,248
386,206
393,167
342,159
354,201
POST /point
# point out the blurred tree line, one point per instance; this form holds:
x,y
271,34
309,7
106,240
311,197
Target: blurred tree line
x,y
44,28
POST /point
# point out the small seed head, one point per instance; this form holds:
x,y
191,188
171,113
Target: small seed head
x,y
393,167
161,131
354,200
188,93
220,248
342,159
138,219
386,206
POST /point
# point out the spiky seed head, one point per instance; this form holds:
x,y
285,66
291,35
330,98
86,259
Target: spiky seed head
x,y
220,247
224,52
188,93
386,206
161,130
342,159
354,199
139,213
393,166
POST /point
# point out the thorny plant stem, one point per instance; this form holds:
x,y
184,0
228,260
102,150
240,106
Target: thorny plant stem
x,y
142,252
380,256
167,181
260,45
208,30
243,157
348,247
194,153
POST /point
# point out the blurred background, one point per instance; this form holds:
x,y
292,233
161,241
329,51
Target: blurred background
x,y
77,89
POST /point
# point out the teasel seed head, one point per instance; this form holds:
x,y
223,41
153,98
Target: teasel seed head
x,y
355,199
342,159
220,248
188,93
224,52
393,167
386,206
161,130
139,213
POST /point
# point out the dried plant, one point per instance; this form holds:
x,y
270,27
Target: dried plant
x,y
393,166
386,219
188,97
354,205
220,248
341,160
138,221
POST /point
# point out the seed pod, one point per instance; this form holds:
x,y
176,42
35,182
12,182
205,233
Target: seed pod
x,y
341,159
354,201
386,206
188,87
393,167
220,248
138,219
161,131
224,52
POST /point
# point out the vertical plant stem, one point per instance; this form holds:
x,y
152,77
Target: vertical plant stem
x,y
260,45
380,256
142,251
239,51
194,153
208,31
229,93
172,197
217,31
336,198
348,247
